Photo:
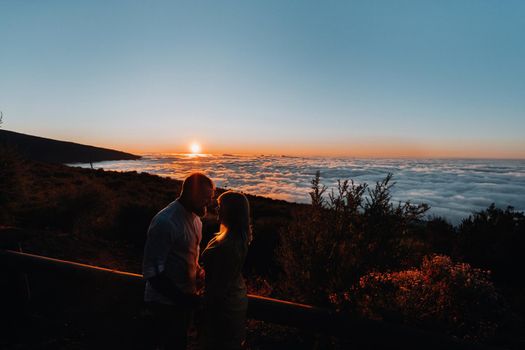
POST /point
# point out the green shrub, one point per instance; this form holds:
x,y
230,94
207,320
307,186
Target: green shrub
x,y
330,244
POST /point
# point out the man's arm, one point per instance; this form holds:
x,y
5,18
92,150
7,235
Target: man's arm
x,y
164,286
156,251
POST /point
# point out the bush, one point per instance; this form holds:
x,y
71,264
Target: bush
x,y
440,237
83,208
13,180
495,239
330,244
440,295
92,209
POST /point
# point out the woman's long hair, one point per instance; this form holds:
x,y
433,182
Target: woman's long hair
x,y
236,216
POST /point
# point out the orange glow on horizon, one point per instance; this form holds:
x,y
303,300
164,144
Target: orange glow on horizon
x,y
370,147
357,149
379,151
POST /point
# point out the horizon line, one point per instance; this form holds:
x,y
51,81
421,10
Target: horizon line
x,y
364,154
263,154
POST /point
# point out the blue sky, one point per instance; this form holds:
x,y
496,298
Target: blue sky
x,y
379,78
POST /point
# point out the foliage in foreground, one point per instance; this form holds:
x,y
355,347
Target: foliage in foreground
x,y
362,253
13,182
439,295
330,244
494,239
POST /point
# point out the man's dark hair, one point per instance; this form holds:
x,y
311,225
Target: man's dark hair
x,y
194,181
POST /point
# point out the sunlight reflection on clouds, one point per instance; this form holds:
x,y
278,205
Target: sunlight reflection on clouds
x,y
453,188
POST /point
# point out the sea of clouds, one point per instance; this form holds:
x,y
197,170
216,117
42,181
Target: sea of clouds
x,y
454,189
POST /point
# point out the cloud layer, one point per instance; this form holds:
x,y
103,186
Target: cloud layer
x,y
453,188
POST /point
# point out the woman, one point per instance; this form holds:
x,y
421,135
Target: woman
x,y
225,299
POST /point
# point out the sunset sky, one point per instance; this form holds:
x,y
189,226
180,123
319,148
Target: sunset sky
x,y
359,78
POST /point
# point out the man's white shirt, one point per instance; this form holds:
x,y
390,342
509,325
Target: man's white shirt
x,y
172,245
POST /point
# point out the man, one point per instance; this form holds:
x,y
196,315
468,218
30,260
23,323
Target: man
x,y
170,264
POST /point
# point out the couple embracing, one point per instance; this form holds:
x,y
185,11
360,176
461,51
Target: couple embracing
x,y
173,272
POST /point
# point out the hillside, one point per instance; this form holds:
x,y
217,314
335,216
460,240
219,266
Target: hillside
x,y
54,151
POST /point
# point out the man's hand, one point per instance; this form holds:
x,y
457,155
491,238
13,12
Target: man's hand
x,y
201,275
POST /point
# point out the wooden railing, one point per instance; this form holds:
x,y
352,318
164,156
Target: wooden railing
x,y
361,333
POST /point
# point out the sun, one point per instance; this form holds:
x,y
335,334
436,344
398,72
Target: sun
x,y
195,148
